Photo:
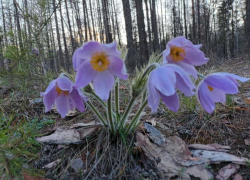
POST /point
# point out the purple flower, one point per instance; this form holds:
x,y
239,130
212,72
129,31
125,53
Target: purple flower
x,y
65,96
185,54
163,82
98,63
213,88
35,52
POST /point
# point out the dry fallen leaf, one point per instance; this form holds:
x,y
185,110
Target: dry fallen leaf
x,y
52,164
217,157
30,177
247,101
247,141
152,121
66,136
210,147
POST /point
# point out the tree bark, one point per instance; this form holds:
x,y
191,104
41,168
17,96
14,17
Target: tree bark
x,y
154,26
247,22
19,32
194,27
64,40
70,30
185,19
142,32
58,36
130,61
149,28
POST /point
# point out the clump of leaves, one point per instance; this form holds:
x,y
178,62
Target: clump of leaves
x,y
18,146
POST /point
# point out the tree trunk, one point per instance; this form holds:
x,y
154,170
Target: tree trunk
x,y
185,20
142,32
194,27
106,21
149,28
199,21
247,23
4,24
154,26
130,61
19,32
70,30
58,36
92,20
64,40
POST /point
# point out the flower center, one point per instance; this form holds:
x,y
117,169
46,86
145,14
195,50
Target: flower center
x,y
100,61
177,53
59,91
210,88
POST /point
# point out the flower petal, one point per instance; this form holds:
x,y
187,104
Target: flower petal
x,y
116,67
190,69
49,99
182,86
90,48
186,83
222,83
64,83
218,96
49,88
166,53
204,97
62,105
242,79
195,56
85,74
179,41
164,80
153,95
77,100
78,58
111,49
172,102
103,83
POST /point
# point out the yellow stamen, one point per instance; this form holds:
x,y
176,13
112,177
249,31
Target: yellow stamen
x,y
61,91
210,88
177,53
100,61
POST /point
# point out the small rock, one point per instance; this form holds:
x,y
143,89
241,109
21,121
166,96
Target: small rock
x,y
145,174
77,165
247,141
237,177
227,171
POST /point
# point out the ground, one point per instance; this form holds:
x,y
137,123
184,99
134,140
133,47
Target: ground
x,y
228,125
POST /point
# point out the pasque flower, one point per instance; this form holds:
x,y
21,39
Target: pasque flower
x,y
98,63
214,88
163,82
61,92
185,54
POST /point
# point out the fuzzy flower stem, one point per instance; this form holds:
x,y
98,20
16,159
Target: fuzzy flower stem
x,y
150,68
202,76
110,115
117,99
96,113
136,118
99,99
126,112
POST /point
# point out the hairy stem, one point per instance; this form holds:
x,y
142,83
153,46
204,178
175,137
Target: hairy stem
x,y
97,113
117,100
110,116
126,112
136,118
